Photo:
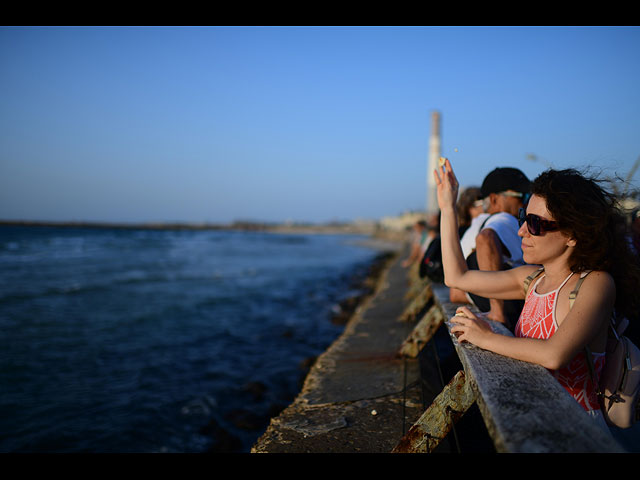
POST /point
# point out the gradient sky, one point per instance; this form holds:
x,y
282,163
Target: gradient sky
x,y
216,124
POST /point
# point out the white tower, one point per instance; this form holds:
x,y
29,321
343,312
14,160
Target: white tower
x,y
434,156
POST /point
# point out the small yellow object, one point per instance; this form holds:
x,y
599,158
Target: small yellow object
x,y
373,412
460,314
442,160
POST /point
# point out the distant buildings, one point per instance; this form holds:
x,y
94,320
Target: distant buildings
x,y
401,222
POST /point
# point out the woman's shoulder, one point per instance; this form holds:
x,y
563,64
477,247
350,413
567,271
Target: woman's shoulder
x,y
595,284
597,279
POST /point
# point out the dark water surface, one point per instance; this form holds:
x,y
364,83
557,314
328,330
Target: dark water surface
x,y
125,340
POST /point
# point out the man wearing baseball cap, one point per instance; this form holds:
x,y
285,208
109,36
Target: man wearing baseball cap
x,y
497,244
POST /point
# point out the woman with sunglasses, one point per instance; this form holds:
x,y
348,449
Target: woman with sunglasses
x,y
570,227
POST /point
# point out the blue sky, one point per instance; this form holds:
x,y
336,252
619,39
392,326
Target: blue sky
x,y
216,124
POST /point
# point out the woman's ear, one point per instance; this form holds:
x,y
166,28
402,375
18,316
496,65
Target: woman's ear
x,y
571,242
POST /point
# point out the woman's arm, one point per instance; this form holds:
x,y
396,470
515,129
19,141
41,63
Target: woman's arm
x,y
585,323
506,284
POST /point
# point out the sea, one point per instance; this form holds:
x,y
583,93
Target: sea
x,y
134,340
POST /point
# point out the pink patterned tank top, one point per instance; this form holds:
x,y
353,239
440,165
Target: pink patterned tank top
x,y
538,320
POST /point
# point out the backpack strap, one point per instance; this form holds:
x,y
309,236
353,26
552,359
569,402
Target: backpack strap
x,y
530,278
479,230
592,372
485,221
587,350
574,293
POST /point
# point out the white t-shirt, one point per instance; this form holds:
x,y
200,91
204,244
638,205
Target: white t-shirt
x,y
506,227
468,240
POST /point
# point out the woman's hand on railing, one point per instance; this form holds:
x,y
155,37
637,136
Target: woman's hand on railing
x,y
469,327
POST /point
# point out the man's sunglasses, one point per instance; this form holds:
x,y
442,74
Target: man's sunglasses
x,y
524,196
536,225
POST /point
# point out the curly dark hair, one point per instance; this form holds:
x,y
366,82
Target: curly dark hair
x,y
592,216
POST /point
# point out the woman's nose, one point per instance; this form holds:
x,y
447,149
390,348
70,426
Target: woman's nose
x,y
522,231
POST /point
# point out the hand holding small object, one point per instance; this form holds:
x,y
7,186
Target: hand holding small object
x,y
446,184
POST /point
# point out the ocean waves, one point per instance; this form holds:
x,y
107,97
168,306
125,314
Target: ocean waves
x,y
119,340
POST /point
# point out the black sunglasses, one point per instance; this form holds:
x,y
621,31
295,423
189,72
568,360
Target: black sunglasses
x,y
536,225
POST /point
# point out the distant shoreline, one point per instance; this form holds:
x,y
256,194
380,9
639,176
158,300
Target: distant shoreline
x,y
343,228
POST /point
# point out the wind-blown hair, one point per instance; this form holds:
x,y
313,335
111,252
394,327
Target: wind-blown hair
x,y
591,215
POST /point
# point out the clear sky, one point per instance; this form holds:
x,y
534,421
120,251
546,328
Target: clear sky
x,y
216,124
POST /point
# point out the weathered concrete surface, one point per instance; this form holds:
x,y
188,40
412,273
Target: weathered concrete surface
x,y
354,398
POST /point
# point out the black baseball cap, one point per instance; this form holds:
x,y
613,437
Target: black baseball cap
x,y
505,178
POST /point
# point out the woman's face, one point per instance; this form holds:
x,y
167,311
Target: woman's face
x,y
547,247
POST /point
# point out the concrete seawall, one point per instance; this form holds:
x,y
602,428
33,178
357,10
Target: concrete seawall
x,y
360,396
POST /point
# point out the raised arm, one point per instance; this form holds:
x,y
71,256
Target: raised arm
x,y
507,284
